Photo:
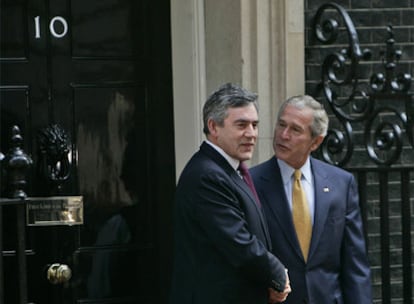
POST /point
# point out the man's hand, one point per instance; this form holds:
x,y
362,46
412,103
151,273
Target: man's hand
x,y
279,297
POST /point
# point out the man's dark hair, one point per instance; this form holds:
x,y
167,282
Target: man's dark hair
x,y
227,96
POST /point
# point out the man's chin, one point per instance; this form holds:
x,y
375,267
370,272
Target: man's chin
x,y
247,156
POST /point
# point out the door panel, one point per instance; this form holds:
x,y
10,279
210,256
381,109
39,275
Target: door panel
x,y
97,72
103,29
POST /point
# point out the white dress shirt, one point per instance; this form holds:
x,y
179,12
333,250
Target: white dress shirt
x,y
232,161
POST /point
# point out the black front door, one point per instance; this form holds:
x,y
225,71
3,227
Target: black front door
x,y
89,85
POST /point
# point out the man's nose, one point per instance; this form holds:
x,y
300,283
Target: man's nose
x,y
285,133
251,131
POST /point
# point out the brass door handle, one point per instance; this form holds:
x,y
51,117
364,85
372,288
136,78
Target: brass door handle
x,y
58,273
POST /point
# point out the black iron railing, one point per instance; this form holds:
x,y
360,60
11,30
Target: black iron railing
x,y
371,135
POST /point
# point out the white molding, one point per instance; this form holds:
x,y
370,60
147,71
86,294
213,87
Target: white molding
x,y
189,83
258,43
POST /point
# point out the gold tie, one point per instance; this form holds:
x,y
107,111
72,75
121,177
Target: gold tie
x,y
301,215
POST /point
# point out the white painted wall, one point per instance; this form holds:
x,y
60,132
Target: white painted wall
x,y
256,43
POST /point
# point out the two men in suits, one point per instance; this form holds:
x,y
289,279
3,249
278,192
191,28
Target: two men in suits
x,y
222,250
334,267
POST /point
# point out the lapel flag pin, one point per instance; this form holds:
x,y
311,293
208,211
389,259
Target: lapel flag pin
x,y
326,189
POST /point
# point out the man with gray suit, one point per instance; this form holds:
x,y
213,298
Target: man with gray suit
x,y
314,218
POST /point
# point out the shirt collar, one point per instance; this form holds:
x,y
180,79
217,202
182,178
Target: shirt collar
x,y
286,171
232,161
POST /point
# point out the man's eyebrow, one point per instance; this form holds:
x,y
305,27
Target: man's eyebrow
x,y
298,127
292,124
246,120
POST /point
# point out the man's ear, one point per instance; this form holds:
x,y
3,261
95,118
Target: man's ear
x,y
212,127
316,142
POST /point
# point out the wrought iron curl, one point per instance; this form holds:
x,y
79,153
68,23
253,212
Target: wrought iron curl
x,y
352,101
385,138
326,31
340,69
337,146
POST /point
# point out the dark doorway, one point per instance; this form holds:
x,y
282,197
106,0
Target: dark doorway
x,y
99,72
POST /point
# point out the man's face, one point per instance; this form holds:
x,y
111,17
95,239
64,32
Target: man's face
x,y
293,141
238,135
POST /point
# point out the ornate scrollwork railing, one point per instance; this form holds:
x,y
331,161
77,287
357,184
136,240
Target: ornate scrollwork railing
x,y
390,82
375,106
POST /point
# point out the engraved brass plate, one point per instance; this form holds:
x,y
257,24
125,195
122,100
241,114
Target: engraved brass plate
x,y
55,210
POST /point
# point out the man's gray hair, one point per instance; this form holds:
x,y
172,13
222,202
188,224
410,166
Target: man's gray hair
x,y
320,117
227,96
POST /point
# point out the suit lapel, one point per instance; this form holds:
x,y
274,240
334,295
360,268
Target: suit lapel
x,y
224,164
275,196
321,189
243,186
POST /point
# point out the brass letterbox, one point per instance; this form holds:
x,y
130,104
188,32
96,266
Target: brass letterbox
x,y
55,210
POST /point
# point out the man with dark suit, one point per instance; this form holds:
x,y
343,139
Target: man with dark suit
x,y
222,246
323,248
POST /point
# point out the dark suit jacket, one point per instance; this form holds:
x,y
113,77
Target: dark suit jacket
x,y
337,270
222,244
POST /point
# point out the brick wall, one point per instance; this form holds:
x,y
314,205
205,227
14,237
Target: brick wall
x,y
371,18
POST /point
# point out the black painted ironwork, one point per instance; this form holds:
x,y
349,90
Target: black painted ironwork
x,y
382,109
16,164
340,73
406,231
20,253
54,165
385,236
54,145
390,82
